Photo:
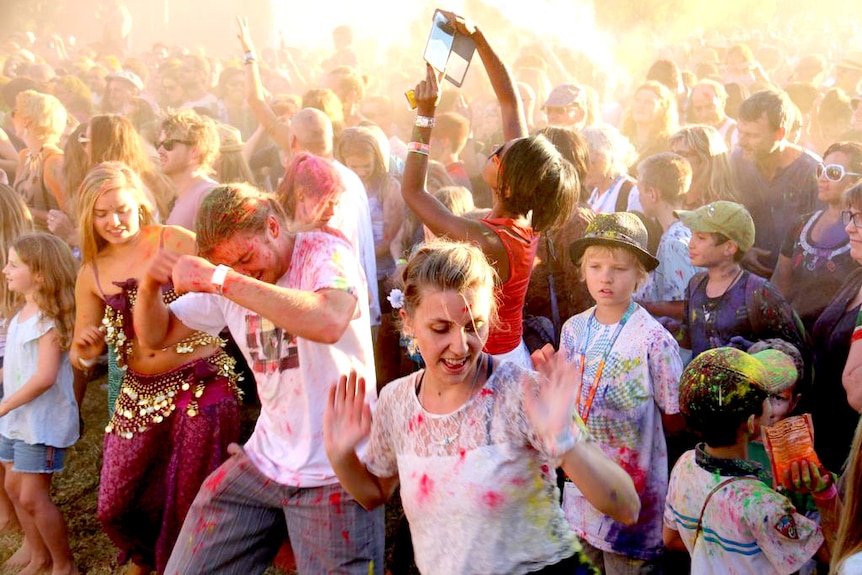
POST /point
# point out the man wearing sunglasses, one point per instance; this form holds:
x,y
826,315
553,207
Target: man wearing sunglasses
x,y
774,177
566,107
188,145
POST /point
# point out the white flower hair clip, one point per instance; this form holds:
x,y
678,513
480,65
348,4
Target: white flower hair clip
x,y
396,298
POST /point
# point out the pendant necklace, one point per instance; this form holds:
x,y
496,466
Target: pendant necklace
x,y
710,307
444,441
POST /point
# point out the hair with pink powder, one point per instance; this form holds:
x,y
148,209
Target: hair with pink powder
x,y
309,176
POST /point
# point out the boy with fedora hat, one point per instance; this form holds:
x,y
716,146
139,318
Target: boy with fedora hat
x,y
720,506
727,301
629,371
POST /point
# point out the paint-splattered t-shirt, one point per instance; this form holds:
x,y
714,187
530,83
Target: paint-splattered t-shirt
x,y
751,308
476,484
668,281
747,528
294,374
640,381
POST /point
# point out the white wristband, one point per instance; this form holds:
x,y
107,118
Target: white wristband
x,y
219,275
86,363
424,122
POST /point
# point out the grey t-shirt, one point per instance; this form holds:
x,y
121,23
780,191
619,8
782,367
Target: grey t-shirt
x,y
776,205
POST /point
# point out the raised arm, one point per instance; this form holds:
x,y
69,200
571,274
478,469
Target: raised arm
x,y
346,422
514,119
431,211
254,90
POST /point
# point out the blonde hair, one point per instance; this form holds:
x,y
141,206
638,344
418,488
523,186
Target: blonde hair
x,y
46,114
114,138
187,125
444,265
848,539
234,209
714,179
17,221
614,252
51,258
666,120
107,177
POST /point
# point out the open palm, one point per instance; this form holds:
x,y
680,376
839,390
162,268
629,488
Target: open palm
x,y
551,406
347,418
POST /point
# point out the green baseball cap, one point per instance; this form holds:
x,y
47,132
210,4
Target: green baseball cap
x,y
722,217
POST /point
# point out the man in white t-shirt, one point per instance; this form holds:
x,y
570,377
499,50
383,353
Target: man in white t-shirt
x,y
296,306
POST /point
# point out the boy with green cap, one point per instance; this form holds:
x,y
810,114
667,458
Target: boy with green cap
x,y
720,506
727,301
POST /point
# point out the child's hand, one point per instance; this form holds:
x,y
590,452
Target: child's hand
x,y
806,477
90,342
347,418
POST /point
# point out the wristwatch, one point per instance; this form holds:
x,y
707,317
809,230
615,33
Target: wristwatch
x,y
219,275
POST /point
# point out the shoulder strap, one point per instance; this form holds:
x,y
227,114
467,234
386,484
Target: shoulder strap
x,y
709,495
754,303
555,307
96,277
622,204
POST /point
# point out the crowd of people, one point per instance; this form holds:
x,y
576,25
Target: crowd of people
x,y
557,319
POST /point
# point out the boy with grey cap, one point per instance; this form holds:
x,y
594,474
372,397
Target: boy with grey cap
x,y
727,301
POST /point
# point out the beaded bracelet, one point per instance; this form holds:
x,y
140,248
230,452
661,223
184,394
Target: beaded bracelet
x,y
424,122
419,148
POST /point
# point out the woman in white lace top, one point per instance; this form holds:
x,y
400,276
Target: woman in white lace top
x,y
473,443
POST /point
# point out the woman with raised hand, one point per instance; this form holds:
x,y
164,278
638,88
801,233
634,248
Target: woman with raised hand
x,y
526,174
472,441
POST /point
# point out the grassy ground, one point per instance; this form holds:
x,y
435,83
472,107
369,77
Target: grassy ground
x,y
76,489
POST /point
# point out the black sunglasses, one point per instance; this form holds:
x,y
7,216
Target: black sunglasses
x,y
170,143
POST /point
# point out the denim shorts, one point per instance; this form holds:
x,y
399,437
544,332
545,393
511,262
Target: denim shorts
x,y
26,458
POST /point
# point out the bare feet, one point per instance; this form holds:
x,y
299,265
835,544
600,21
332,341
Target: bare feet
x,y
9,524
19,559
68,570
37,567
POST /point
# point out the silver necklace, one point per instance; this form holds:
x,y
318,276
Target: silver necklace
x,y
710,307
445,441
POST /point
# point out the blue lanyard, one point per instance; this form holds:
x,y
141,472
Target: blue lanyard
x,y
585,413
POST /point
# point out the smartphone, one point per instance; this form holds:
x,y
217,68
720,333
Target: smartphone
x,y
440,41
447,51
